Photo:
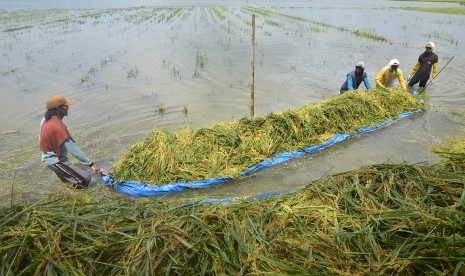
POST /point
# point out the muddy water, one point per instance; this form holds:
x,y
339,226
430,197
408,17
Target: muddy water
x,y
132,67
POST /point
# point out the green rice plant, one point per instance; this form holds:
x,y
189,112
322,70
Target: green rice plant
x,y
389,219
449,10
218,13
370,35
175,12
17,28
227,148
161,110
451,149
258,11
84,78
185,110
132,73
200,62
28,57
273,23
9,71
441,1
316,25
229,65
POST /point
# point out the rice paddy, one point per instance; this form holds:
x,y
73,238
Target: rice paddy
x,y
317,25
226,149
174,69
393,219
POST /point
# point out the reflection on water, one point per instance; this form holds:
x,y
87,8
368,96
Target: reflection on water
x,y
132,67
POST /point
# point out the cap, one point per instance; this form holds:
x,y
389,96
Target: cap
x,y
431,44
360,64
393,62
57,100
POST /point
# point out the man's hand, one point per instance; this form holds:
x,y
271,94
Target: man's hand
x,y
94,168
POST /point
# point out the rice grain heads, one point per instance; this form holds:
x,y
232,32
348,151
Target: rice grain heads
x,y
227,148
389,219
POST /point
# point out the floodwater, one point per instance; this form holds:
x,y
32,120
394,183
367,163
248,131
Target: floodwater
x,y
131,66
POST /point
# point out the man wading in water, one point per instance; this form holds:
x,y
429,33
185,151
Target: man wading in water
x,y
355,78
386,76
56,142
422,69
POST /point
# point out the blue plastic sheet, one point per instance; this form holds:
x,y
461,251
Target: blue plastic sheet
x,y
138,188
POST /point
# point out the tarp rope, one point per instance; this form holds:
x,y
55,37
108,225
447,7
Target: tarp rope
x,y
142,189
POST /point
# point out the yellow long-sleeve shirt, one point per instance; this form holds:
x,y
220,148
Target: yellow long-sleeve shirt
x,y
386,77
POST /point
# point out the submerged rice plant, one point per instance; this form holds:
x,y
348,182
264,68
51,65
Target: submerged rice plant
x,y
369,34
390,219
218,13
17,28
317,24
227,148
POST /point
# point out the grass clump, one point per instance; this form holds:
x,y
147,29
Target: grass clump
x,y
273,23
317,25
452,149
227,148
440,1
460,11
17,28
390,219
218,13
369,35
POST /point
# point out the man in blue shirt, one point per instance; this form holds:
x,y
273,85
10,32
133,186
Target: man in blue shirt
x,y
355,78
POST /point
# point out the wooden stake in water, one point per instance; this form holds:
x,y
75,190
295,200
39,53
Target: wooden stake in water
x,y
252,81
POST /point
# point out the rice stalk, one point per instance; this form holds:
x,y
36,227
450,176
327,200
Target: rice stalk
x,y
227,148
385,219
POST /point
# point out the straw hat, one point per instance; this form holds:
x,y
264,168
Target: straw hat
x,y
55,101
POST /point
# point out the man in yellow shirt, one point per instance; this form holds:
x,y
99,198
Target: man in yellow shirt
x,y
386,76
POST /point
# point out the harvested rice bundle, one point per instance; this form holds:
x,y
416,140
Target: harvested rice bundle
x,y
227,148
389,219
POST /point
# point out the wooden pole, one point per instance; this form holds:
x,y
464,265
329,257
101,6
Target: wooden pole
x,y
252,81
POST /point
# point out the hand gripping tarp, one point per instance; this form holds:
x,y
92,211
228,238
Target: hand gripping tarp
x,y
138,188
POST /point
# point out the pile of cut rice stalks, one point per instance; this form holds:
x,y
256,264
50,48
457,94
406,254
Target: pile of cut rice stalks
x,y
390,219
226,149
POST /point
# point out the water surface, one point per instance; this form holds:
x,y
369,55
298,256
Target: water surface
x,y
132,66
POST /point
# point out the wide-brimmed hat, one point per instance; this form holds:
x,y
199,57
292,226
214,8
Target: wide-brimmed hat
x,y
55,101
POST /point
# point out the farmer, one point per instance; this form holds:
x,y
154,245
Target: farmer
x,y
386,76
56,142
422,69
355,78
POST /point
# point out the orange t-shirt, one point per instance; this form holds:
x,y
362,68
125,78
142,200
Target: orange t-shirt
x,y
52,134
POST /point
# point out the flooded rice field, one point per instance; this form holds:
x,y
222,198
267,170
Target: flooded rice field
x,y
131,66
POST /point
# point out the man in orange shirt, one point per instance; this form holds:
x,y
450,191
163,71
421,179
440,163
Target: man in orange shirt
x,y
56,142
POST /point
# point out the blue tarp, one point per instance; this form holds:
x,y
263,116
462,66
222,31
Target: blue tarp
x,y
138,188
